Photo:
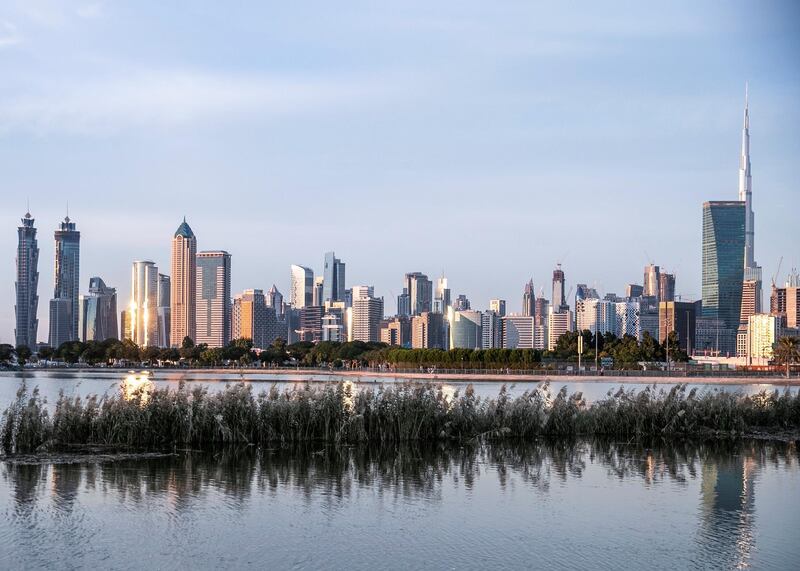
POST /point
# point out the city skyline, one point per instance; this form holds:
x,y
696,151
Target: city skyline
x,y
497,193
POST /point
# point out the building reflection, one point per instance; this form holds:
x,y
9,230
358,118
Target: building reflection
x,y
728,507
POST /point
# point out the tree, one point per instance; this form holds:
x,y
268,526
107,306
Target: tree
x,y
787,351
23,354
45,353
6,353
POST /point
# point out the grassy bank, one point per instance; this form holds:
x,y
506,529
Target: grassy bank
x,y
193,417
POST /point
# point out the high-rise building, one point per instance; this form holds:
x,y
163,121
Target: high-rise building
x,y
666,287
461,303
633,291
142,312
404,303
491,330
680,317
302,287
428,331
274,299
98,312
367,313
763,331
183,294
163,311
499,307
252,318
528,300
311,323
558,323
595,315
466,329
518,332
559,301
213,318
540,319
333,279
318,291
723,263
583,291
396,332
332,328
420,292
652,280
27,286
441,299
628,318
64,311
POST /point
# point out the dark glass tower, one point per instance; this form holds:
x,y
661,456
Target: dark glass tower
x,y
27,284
723,268
333,274
64,305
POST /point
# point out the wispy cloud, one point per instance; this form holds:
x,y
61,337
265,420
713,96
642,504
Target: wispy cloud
x,y
175,98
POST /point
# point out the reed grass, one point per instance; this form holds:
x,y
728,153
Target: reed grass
x,y
191,417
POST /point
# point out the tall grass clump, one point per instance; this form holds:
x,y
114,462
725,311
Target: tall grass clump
x,y
165,418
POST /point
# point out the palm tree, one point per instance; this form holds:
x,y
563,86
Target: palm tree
x,y
787,351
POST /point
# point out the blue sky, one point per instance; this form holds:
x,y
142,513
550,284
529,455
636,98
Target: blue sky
x,y
486,139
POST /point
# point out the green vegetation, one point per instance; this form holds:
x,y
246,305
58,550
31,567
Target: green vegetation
x,y
787,352
170,419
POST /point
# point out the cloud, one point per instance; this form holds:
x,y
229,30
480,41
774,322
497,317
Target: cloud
x,y
175,98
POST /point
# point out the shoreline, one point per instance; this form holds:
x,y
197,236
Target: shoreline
x,y
499,378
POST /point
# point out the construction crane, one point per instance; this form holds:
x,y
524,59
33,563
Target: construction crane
x,y
777,272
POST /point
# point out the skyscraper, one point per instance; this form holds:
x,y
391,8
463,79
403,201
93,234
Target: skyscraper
x,y
213,320
333,274
420,292
499,307
98,312
252,319
302,287
163,311
528,300
318,291
183,285
652,279
64,311
27,284
367,313
142,313
722,271
274,299
559,302
466,329
442,299
666,287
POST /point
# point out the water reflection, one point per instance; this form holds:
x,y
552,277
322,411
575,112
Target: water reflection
x,y
137,386
192,490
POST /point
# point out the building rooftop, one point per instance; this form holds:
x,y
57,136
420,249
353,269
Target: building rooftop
x,y
184,230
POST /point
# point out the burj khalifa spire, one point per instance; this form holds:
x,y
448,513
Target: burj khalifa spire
x,y
746,192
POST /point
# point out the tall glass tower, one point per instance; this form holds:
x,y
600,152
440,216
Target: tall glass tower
x,y
723,268
333,279
27,284
183,284
64,314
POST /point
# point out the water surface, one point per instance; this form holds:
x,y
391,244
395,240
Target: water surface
x,y
582,504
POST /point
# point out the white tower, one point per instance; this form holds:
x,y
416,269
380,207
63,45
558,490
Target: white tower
x,y
746,193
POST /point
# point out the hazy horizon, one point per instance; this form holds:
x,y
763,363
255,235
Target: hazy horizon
x,y
486,141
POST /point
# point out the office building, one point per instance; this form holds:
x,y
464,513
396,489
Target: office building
x,y
142,312
666,287
583,291
164,308
461,303
404,304
367,314
98,312
64,313
420,292
632,291
595,315
499,307
302,287
318,291
540,319
27,285
396,332
518,332
274,299
311,323
559,300
183,300
763,331
652,280
442,298
466,329
528,300
252,319
428,331
680,317
558,323
358,292
213,318
723,268
333,329
333,279
491,330
628,315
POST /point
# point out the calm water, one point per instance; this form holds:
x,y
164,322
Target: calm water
x,y
77,382
578,505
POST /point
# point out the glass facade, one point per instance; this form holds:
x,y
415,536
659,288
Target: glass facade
x,y
723,268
